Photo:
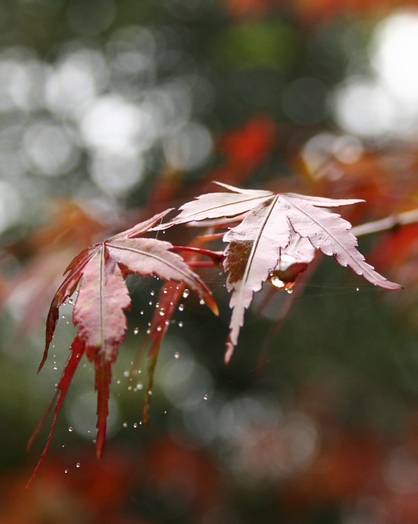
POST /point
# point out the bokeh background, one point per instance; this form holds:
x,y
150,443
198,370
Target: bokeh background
x,y
111,110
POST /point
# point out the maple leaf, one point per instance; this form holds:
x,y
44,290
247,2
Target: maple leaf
x,y
98,273
270,229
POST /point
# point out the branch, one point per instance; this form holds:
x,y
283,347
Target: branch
x,y
386,224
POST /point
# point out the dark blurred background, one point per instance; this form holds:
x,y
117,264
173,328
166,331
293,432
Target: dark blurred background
x,y
111,110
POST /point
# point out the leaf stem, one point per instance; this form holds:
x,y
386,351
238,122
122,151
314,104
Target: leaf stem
x,y
216,256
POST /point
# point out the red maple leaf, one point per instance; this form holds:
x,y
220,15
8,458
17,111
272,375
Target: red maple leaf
x,y
270,228
98,274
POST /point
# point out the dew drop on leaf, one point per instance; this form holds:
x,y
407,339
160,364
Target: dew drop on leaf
x,y
70,429
136,330
162,312
181,307
186,293
357,289
205,397
65,470
276,282
152,293
125,424
126,373
289,290
180,323
176,354
78,465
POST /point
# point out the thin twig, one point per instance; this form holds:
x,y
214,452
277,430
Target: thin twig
x,y
386,224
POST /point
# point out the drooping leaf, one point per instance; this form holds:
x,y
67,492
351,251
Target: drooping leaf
x,y
97,275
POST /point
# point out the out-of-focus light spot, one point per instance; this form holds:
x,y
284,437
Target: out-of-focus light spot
x,y
364,108
394,53
401,470
18,84
304,100
115,173
90,17
323,147
201,421
170,106
347,149
188,148
262,442
10,205
133,38
10,153
49,148
186,382
81,415
385,104
116,125
76,81
242,412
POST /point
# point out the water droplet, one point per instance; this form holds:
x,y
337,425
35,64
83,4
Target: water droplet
x,y
176,354
135,425
125,424
180,324
136,330
129,388
159,328
139,385
275,281
186,293
118,382
141,312
181,307
152,293
150,302
149,392
162,312
201,302
205,397
357,289
289,290
126,373
148,331
165,291
70,429
65,470
78,465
